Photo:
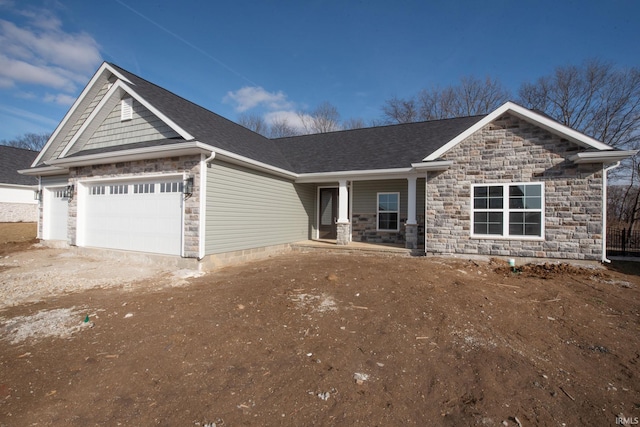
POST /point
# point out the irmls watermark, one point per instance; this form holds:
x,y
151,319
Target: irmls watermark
x,y
627,421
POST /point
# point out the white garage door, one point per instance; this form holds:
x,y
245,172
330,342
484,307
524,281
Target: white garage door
x,y
56,206
135,216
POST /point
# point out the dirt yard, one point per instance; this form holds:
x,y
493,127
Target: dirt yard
x,y
323,339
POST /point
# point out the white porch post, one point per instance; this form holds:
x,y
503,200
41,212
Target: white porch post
x,y
411,227
411,202
344,226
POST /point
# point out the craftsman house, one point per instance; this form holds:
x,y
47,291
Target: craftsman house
x,y
135,167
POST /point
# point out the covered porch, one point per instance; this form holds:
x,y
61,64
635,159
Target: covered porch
x,y
381,212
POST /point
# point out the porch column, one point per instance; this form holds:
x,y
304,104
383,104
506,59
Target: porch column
x,y
411,226
343,225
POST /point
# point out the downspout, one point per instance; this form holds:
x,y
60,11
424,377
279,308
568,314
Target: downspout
x,y
40,208
426,210
604,210
203,204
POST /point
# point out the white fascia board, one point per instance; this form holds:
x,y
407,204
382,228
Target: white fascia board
x,y
602,156
180,149
98,111
44,171
104,67
363,175
526,115
19,186
251,164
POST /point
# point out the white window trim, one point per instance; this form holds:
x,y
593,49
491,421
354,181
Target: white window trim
x,y
378,211
505,212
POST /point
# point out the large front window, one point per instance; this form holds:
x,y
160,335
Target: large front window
x,y
388,211
508,210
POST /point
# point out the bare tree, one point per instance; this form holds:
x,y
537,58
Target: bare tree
x,y
29,141
325,118
469,98
255,123
595,98
602,101
354,123
280,128
398,110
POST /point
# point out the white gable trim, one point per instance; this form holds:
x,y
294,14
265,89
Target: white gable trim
x,y
526,115
107,103
104,67
180,131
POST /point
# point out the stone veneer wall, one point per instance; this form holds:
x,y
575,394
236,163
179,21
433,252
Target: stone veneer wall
x,y
18,212
140,169
512,150
364,229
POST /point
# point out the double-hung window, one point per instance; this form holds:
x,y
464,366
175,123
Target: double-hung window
x,y
508,210
388,211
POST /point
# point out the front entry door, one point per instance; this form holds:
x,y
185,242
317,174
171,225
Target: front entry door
x,y
328,213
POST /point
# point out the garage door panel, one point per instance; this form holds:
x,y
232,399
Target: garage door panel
x,y
145,222
56,216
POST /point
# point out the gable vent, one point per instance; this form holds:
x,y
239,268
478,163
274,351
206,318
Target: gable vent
x,y
126,109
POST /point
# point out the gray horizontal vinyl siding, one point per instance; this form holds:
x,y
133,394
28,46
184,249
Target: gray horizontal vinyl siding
x,y
247,209
365,195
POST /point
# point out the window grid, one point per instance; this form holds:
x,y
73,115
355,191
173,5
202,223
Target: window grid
x,y
171,187
97,190
513,210
388,211
119,189
144,188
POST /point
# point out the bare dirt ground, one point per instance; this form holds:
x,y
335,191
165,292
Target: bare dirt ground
x,y
326,339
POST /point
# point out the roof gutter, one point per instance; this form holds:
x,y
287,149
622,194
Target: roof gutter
x,y
184,148
44,171
607,156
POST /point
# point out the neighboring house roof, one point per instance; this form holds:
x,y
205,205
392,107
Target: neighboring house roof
x,y
13,159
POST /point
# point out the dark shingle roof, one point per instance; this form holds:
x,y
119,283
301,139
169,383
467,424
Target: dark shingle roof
x,y
13,159
206,126
384,147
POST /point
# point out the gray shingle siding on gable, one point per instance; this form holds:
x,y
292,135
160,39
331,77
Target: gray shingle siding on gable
x,y
144,126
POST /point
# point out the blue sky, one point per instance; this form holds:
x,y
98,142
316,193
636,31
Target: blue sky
x,y
279,57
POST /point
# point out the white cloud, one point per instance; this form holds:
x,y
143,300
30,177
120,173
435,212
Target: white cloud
x,y
42,53
292,119
250,97
27,115
60,99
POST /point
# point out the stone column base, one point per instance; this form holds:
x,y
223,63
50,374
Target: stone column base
x,y
411,236
344,233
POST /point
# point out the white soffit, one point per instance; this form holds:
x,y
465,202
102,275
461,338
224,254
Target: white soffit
x,y
526,115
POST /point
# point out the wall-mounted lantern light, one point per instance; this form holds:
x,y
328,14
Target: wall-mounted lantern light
x,y
37,195
187,186
68,191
